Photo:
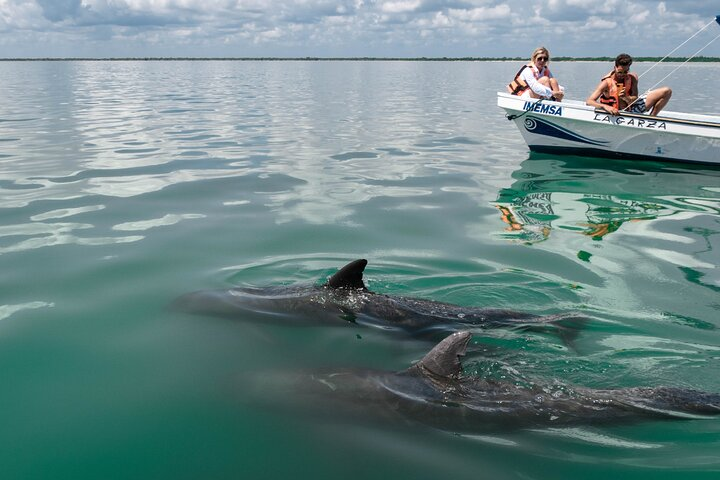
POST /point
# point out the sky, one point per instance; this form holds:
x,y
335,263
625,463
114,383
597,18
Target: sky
x,y
353,28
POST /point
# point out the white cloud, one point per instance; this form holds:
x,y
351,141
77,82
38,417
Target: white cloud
x,y
482,13
343,27
441,20
640,17
596,23
18,14
400,7
269,35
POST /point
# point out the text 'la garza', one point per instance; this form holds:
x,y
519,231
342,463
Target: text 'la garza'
x,y
639,122
543,108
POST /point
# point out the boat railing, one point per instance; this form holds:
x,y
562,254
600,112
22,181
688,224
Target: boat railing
x,y
690,118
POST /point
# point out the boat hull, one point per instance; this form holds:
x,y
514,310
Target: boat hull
x,y
577,129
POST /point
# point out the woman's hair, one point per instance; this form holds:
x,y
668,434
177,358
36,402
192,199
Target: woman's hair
x,y
539,51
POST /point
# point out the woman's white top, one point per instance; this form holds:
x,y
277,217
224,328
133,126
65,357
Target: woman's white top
x,y
531,75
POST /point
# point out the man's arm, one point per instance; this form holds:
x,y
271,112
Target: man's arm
x,y
634,86
592,100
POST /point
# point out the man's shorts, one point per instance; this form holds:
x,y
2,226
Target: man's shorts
x,y
639,105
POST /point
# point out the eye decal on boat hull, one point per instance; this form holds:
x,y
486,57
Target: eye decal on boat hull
x,y
542,127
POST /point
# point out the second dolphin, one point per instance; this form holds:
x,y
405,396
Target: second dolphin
x,y
344,299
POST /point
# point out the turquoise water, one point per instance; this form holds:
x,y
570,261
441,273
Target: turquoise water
x,y
126,184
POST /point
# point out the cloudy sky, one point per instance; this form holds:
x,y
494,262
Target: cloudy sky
x,y
325,28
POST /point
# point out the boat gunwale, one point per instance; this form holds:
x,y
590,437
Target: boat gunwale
x,y
587,108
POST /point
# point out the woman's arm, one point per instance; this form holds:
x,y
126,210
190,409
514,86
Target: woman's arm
x,y
541,90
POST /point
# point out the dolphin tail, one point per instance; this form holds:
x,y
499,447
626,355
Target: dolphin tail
x,y
567,326
670,401
350,276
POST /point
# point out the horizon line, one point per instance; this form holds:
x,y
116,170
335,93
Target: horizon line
x,y
637,58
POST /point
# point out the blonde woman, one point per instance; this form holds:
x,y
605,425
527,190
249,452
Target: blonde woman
x,y
534,79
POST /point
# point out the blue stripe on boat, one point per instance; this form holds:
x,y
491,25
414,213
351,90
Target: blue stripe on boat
x,y
543,127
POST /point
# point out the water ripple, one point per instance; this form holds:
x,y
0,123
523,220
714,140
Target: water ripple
x,y
6,311
257,173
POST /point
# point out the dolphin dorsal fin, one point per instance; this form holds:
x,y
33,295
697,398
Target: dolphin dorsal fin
x,y
444,359
349,276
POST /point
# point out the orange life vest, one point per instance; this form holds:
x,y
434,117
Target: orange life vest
x,y
612,97
518,85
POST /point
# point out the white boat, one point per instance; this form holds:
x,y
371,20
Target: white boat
x,y
571,127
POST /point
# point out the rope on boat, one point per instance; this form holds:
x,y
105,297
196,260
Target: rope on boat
x,y
514,117
716,19
678,47
686,61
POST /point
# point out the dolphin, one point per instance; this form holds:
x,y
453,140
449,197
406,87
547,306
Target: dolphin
x,y
435,393
344,299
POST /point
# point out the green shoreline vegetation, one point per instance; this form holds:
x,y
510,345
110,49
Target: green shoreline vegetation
x,y
363,59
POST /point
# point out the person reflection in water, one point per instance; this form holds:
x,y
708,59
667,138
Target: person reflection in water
x,y
529,218
528,230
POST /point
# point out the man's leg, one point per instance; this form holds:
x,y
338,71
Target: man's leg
x,y
657,99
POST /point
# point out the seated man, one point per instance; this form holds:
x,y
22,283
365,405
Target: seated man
x,y
618,91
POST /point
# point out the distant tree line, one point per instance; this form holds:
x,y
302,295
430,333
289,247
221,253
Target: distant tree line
x,y
363,59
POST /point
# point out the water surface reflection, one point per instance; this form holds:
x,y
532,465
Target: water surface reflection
x,y
595,197
635,224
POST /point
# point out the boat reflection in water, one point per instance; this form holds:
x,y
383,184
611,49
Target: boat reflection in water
x,y
529,216
572,127
665,211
